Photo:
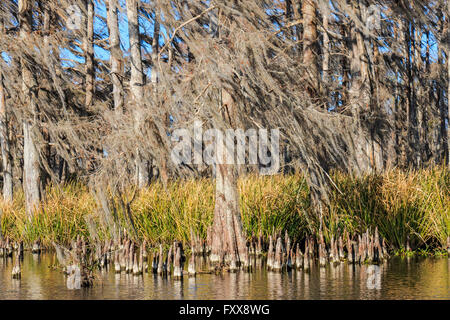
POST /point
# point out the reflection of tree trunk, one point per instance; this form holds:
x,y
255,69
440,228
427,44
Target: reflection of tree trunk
x,y
136,83
228,239
31,174
116,55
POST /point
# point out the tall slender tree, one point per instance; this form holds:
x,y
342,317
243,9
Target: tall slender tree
x,y
136,82
116,57
89,54
4,135
5,145
31,166
448,83
310,44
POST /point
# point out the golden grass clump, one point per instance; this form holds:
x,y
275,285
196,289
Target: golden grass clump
x,y
414,203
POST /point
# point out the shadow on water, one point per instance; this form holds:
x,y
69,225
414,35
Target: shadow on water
x,y
398,278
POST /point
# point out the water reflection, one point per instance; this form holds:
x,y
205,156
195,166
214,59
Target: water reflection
x,y
407,278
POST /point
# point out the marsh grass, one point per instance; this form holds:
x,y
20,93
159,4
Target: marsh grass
x,y
414,203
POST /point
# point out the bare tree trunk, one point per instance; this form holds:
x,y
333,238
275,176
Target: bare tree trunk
x,y
89,54
310,44
396,137
116,58
31,174
420,106
441,134
297,8
155,50
430,96
137,75
4,138
46,175
416,145
402,113
413,139
448,85
5,146
326,48
345,70
136,83
359,94
228,241
377,150
31,170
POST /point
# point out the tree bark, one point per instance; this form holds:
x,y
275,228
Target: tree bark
x,y
31,169
359,93
228,240
116,58
413,134
4,138
441,145
155,50
89,54
297,8
448,84
310,44
345,69
420,105
5,146
136,83
325,49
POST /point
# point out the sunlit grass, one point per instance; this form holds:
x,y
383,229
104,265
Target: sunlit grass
x,y
414,203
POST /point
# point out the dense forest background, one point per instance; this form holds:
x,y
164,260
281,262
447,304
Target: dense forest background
x,y
91,90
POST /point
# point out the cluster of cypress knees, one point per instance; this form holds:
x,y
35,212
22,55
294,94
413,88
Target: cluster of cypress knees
x,y
126,256
7,248
367,248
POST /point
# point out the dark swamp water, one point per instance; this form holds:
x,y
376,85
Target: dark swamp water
x,y
397,278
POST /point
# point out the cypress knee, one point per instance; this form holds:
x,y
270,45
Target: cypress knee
x,y
278,261
177,270
191,266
